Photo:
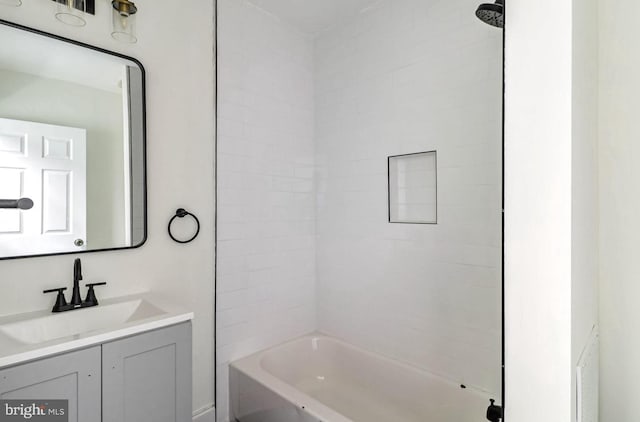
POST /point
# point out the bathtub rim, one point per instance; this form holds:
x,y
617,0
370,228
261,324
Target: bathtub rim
x,y
251,366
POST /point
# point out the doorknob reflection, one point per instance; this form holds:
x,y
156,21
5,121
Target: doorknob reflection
x,y
22,203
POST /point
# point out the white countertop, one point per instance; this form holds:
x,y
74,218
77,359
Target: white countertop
x,y
149,312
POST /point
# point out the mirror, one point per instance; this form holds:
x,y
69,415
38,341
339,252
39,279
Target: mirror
x,y
72,146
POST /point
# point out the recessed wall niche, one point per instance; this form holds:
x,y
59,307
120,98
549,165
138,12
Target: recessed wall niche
x,y
413,190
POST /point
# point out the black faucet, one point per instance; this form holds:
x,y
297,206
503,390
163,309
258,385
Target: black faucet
x,y
61,304
76,300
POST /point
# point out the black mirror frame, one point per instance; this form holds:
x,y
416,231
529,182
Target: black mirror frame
x,y
144,137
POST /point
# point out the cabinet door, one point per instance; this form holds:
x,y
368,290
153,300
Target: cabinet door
x,y
73,376
148,377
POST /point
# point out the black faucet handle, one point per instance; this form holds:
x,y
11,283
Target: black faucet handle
x,y
61,302
91,299
58,290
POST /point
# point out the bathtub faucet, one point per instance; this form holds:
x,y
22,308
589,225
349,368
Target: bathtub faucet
x,y
494,413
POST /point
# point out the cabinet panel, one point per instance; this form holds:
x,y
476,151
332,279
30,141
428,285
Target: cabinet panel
x,y
73,376
148,377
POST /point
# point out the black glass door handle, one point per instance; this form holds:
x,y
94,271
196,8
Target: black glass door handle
x,y
22,203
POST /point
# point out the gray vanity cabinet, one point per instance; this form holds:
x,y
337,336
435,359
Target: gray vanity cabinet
x,y
142,378
72,376
148,377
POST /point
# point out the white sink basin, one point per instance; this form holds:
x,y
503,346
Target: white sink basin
x,y
80,321
33,335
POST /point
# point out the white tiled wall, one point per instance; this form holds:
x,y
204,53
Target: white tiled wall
x,y
266,213
408,76
305,129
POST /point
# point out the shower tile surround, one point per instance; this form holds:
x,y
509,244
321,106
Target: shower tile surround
x,y
305,128
266,196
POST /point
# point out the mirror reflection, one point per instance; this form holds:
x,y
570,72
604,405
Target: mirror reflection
x,y
71,147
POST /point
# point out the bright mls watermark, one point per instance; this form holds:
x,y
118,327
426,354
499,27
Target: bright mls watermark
x,y
34,410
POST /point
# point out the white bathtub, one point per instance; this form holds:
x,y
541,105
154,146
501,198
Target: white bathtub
x,y
318,378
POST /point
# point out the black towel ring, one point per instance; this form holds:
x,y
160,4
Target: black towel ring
x,y
182,213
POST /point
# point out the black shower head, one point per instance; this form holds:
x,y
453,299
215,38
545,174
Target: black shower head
x,y
492,13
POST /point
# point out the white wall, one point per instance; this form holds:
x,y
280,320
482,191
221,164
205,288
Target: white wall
x,y
538,214
551,210
32,98
405,77
173,42
266,220
620,209
584,182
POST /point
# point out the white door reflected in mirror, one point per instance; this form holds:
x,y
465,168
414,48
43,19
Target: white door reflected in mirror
x,y
46,163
